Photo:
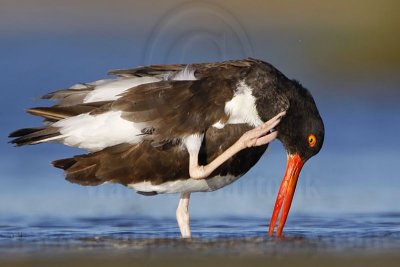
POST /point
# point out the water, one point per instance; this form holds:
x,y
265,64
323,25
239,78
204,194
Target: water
x,y
356,172
306,234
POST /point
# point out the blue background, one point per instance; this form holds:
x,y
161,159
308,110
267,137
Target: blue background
x,y
345,53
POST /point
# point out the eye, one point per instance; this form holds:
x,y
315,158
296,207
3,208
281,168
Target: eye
x,y
312,140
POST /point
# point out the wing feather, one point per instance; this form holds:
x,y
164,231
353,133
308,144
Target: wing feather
x,y
145,100
176,108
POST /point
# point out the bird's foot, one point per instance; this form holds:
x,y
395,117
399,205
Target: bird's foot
x,y
262,134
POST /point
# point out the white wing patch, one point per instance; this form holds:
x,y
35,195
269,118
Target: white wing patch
x,y
96,132
108,90
241,108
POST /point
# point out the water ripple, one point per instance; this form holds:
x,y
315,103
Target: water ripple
x,y
378,232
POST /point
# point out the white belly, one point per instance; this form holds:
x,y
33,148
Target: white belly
x,y
184,186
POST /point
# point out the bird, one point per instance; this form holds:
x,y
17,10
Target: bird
x,y
181,128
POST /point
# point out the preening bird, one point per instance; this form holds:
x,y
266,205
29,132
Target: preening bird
x,y
182,129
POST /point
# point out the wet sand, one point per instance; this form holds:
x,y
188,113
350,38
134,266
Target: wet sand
x,y
386,260
255,251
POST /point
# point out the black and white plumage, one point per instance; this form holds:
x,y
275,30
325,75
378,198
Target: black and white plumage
x,y
176,128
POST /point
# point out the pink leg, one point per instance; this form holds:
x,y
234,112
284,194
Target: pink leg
x,y
182,215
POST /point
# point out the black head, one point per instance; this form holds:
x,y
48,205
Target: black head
x,y
302,130
302,133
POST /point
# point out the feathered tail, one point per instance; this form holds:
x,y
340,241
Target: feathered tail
x,y
32,136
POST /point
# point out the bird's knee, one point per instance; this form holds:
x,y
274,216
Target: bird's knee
x,y
198,172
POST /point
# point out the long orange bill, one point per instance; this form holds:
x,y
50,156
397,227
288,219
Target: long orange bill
x,y
285,194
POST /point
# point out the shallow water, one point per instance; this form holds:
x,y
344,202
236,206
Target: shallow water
x,y
309,234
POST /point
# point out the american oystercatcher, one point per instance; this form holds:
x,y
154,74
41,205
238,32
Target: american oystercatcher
x,y
181,129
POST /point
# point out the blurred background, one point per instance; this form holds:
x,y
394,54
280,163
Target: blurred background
x,y
345,52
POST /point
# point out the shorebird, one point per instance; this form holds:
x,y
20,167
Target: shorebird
x,y
181,129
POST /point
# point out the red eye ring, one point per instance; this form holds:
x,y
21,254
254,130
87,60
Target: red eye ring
x,y
312,140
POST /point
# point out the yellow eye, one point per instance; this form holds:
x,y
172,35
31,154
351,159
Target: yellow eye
x,y
312,140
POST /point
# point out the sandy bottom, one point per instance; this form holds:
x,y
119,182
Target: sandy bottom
x,y
361,260
254,251
386,260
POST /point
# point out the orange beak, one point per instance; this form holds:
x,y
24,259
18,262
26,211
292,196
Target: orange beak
x,y
285,194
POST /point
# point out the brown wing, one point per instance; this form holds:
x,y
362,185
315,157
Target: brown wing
x,y
70,100
177,108
201,69
172,108
153,70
